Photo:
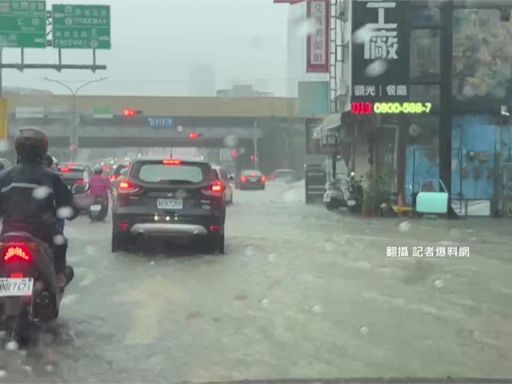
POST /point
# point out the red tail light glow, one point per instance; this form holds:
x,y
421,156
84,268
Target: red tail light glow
x,y
171,162
218,186
215,228
16,252
263,179
244,179
122,226
17,275
65,169
128,187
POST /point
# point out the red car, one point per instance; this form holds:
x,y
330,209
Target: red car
x,y
251,179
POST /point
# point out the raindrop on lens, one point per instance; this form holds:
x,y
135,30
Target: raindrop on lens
x,y
59,240
231,141
249,251
11,346
41,193
3,373
404,226
64,212
317,309
376,68
363,330
264,303
439,283
181,194
4,145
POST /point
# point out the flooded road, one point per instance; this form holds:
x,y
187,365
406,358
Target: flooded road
x,y
301,293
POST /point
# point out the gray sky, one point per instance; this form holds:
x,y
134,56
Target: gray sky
x,y
155,43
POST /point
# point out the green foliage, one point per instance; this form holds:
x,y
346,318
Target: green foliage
x,y
377,189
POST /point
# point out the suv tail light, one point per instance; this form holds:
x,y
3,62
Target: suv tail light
x,y
216,188
244,179
128,187
171,162
16,252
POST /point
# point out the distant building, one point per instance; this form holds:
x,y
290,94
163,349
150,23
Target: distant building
x,y
24,91
243,90
201,81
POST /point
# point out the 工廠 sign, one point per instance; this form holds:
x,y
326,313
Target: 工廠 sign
x,y
318,12
380,50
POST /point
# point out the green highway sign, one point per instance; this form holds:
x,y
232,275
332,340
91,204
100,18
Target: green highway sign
x,y
81,26
23,23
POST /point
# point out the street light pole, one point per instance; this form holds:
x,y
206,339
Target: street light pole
x,y
255,144
73,139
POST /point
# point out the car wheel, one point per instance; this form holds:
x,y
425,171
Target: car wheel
x,y
119,242
214,245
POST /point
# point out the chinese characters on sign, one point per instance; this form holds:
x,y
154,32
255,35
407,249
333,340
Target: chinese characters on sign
x,y
23,23
372,90
381,42
81,26
318,39
380,38
429,251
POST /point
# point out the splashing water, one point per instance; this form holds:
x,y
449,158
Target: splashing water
x,y
12,346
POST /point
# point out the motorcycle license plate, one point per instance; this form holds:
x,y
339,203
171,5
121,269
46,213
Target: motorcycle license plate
x,y
351,203
169,203
95,208
16,287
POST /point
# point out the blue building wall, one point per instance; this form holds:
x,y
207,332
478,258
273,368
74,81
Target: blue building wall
x,y
472,178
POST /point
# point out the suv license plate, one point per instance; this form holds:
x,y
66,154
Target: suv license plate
x,y
169,204
16,287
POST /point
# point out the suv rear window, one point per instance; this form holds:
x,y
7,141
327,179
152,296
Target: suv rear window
x,y
159,172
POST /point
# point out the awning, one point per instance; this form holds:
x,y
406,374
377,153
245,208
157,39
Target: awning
x,y
332,121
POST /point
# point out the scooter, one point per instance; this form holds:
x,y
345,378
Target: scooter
x,y
29,292
335,195
98,209
355,194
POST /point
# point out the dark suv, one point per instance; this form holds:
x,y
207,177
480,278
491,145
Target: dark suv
x,y
168,199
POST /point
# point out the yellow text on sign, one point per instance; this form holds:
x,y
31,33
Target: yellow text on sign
x,y
4,131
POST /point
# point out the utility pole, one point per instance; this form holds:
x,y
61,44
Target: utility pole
x,y
445,100
255,144
1,72
73,139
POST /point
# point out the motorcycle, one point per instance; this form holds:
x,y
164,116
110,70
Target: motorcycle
x,y
355,194
29,291
98,209
334,197
344,191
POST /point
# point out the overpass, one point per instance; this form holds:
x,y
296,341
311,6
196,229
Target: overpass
x,y
164,121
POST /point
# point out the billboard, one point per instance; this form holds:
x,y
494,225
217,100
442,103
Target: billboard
x,y
317,51
380,50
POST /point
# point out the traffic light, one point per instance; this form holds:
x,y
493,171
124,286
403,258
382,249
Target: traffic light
x,y
194,135
129,113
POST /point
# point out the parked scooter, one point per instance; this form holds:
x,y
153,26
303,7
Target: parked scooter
x,y
98,209
344,191
355,194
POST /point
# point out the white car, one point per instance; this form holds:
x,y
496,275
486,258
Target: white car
x,y
223,176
